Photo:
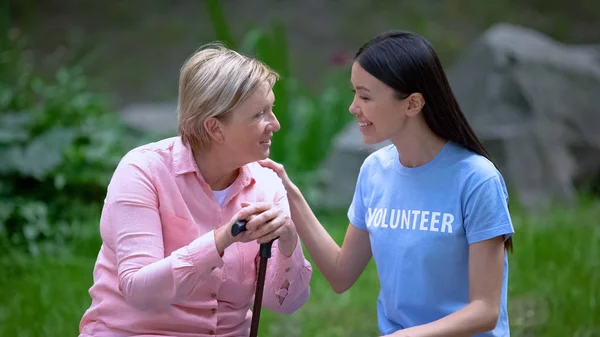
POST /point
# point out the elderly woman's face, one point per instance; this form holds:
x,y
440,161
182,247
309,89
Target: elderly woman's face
x,y
250,127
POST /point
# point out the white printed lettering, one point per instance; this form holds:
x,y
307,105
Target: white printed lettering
x,y
447,222
394,224
415,215
427,221
434,220
384,217
424,219
370,215
378,215
405,219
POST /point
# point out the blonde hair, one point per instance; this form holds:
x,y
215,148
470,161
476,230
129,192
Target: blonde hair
x,y
213,82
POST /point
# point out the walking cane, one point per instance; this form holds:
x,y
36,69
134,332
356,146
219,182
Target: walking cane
x,y
264,253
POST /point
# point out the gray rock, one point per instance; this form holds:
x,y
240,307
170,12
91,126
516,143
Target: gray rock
x,y
158,118
534,102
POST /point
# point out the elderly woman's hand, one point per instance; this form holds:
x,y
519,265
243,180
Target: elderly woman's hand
x,y
265,223
271,224
223,236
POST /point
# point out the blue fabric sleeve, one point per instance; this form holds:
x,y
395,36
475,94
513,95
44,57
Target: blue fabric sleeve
x,y
356,211
486,211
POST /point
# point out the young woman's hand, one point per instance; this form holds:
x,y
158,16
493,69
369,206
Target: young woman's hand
x,y
280,170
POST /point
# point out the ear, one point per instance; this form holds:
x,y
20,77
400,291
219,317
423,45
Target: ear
x,y
416,101
214,128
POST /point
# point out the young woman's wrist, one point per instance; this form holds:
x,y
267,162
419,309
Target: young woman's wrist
x,y
293,192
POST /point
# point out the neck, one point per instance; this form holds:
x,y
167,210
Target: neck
x,y
216,169
418,145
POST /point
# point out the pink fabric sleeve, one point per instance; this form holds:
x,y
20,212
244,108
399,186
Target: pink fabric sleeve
x,y
147,279
287,281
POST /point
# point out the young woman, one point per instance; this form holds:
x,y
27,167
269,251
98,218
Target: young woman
x,y
431,208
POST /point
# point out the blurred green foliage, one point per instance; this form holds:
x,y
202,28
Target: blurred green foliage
x,y
59,144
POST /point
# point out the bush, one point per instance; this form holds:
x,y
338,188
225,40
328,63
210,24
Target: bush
x,y
59,144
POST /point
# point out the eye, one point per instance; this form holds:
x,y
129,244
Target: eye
x,y
364,98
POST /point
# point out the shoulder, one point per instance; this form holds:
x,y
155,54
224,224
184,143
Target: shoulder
x,y
265,177
139,170
380,159
474,170
150,155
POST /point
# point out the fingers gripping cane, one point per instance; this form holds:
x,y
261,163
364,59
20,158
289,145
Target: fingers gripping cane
x,y
264,253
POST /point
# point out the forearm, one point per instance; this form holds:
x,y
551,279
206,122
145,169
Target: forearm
x,y
321,246
476,317
167,281
288,247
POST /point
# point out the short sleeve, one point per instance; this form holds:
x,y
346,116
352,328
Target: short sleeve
x,y
356,211
486,211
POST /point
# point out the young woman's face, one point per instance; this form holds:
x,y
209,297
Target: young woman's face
x,y
380,114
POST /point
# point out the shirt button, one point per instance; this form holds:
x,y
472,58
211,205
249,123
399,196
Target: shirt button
x,y
214,311
213,295
287,270
211,332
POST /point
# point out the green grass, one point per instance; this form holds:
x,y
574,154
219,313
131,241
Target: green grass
x,y
554,278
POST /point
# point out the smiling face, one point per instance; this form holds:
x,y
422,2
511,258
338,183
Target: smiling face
x,y
247,131
379,112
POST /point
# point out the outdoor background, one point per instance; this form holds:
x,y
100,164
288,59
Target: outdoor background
x,y
82,82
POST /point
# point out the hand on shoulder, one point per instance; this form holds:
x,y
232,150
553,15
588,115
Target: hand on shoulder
x,y
280,171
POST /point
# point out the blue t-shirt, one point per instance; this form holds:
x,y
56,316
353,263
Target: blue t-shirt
x,y
420,222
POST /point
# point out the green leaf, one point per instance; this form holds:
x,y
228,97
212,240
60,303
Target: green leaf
x,y
250,40
14,127
60,181
43,154
7,208
219,23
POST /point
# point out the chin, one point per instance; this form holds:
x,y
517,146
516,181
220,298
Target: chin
x,y
262,155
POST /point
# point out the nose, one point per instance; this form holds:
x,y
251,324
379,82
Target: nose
x,y
274,125
354,108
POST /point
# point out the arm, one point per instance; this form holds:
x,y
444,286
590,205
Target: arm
x,y
146,278
486,266
340,266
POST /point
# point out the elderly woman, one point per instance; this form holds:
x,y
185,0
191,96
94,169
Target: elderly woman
x,y
168,264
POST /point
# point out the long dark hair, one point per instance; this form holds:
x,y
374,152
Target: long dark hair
x,y
408,63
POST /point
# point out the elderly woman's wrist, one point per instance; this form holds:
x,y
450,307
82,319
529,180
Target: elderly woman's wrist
x,y
223,239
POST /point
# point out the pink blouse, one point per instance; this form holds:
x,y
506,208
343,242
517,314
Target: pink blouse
x,y
158,271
